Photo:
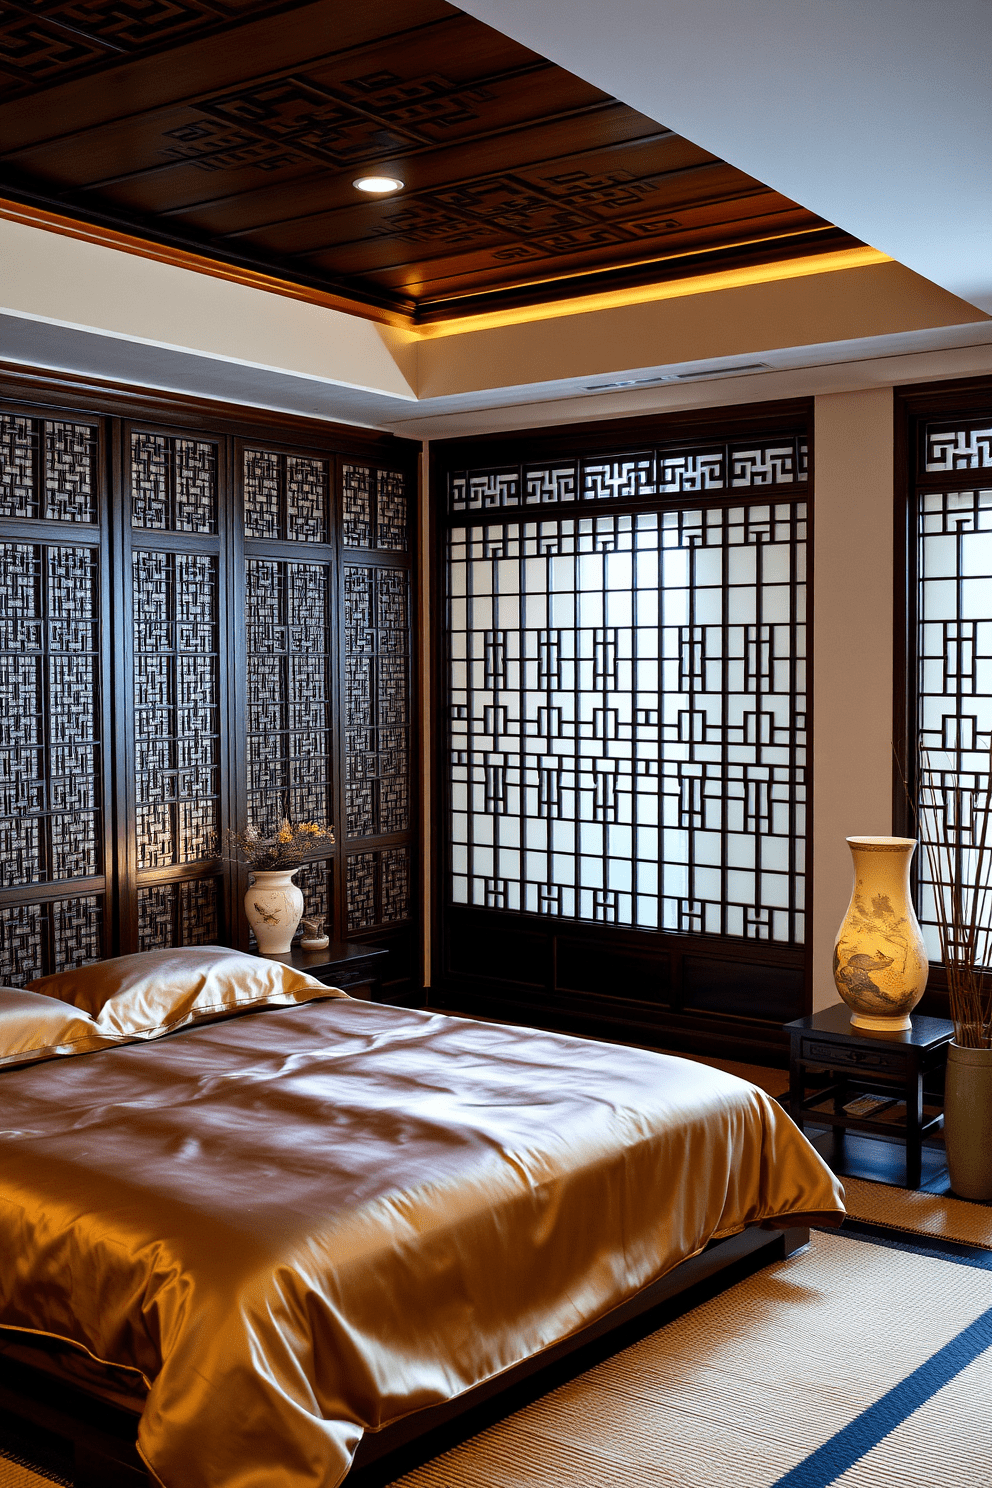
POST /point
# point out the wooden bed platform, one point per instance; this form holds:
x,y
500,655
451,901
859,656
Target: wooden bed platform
x,y
99,1438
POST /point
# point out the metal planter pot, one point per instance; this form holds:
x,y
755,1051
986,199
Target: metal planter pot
x,y
968,1121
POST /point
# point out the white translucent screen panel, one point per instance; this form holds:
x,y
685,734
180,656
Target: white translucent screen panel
x,y
627,719
954,648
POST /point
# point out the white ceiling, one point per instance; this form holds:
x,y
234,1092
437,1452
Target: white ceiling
x,y
875,114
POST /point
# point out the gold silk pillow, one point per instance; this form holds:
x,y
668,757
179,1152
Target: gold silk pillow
x,y
34,1027
152,992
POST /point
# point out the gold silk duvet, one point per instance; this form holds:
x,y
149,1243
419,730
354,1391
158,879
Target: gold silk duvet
x,y
304,1223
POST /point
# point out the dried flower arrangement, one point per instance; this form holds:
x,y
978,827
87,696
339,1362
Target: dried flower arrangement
x,y
953,820
292,845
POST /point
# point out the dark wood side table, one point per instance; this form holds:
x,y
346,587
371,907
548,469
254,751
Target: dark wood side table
x,y
347,964
863,1062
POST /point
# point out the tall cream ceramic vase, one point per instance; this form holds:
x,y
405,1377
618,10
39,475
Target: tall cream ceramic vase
x,y
968,1121
274,906
880,962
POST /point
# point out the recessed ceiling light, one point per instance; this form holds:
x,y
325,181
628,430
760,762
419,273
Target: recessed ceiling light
x,y
378,185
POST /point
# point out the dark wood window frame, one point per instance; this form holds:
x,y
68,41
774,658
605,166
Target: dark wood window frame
x,y
381,836
524,959
915,408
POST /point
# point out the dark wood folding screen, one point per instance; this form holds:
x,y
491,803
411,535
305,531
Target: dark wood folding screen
x,y
205,621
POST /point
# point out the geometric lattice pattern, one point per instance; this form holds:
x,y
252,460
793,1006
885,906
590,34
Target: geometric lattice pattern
x,y
375,509
377,702
179,914
638,475
176,707
954,656
38,939
54,697
47,469
173,483
315,881
961,445
627,727
285,496
50,768
379,888
287,609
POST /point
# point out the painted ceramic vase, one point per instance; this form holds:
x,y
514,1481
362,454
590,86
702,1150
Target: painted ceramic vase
x,y
274,906
880,962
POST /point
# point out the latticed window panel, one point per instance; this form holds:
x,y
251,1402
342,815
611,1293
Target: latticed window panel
x,y
627,718
289,726
375,509
179,914
39,939
50,748
379,888
954,659
637,475
48,469
173,483
176,706
377,700
958,444
285,496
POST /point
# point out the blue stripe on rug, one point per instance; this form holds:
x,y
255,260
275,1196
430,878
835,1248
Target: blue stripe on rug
x,y
853,1441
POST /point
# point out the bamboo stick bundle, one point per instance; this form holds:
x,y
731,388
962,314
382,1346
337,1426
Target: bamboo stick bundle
x,y
954,807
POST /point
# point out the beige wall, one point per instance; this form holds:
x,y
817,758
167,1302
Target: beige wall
x,y
852,650
810,309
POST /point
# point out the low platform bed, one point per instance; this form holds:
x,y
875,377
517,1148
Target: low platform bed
x,y
301,1231
95,1440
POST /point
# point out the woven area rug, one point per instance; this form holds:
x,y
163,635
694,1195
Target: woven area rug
x,y
859,1362
939,1215
15,1473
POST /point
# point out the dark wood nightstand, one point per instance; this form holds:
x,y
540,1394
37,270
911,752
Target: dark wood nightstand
x,y
859,1062
347,964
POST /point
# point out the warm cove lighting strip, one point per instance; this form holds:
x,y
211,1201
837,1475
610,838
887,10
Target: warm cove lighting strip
x,y
671,289
645,294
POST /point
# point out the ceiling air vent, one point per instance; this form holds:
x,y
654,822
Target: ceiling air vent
x,y
694,376
721,371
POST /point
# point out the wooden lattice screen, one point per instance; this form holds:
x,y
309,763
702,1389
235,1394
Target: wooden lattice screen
x,y
201,624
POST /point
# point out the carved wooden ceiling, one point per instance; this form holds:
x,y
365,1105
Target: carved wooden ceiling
x,y
235,130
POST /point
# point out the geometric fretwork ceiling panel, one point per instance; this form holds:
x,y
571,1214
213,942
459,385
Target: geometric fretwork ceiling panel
x,y
627,711
237,131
